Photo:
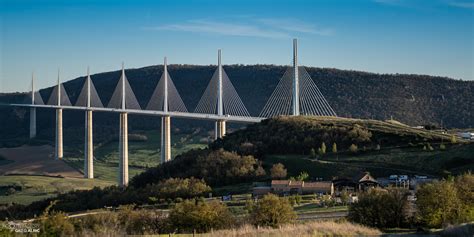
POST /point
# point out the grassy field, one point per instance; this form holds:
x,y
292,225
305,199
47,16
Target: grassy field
x,y
455,159
26,189
33,188
142,154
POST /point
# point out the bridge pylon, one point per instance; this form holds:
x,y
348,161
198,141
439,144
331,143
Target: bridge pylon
x,y
88,98
221,98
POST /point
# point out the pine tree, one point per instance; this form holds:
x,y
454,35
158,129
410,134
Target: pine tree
x,y
334,148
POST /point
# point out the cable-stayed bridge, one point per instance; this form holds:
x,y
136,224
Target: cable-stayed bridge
x,y
295,94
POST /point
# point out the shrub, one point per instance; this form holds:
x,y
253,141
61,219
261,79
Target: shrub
x,y
353,148
272,211
380,208
189,216
446,202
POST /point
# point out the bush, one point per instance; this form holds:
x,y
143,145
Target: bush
x,y
446,202
353,148
199,216
176,187
272,211
380,208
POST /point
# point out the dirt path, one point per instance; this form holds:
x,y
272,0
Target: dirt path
x,y
35,160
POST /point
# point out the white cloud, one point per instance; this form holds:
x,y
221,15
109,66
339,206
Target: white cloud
x,y
295,25
469,5
263,28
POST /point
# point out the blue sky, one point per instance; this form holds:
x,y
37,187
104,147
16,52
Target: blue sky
x,y
434,37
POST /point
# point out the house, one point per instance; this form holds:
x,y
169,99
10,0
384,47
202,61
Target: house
x,y
284,187
318,187
359,182
467,135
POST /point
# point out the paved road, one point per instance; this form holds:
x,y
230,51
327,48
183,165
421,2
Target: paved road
x,y
323,215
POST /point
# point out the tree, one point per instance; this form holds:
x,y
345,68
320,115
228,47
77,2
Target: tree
x,y
345,197
259,172
380,208
278,171
201,216
353,148
437,203
312,153
334,148
302,176
453,139
272,211
430,148
442,146
177,187
323,148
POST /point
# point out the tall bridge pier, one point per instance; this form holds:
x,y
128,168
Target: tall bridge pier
x,y
59,134
59,125
88,138
123,138
220,124
32,110
88,147
123,150
165,139
165,120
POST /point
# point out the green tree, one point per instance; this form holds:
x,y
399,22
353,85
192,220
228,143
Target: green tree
x,y
323,148
334,148
201,216
442,146
302,176
380,208
278,171
438,204
353,148
453,139
312,153
345,197
177,187
272,211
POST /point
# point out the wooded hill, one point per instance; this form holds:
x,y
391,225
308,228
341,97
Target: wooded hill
x,y
411,99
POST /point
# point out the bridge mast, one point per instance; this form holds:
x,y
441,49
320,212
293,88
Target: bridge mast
x,y
89,147
220,124
123,138
59,124
296,91
32,110
165,120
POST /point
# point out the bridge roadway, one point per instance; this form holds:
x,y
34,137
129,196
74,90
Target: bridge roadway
x,y
213,117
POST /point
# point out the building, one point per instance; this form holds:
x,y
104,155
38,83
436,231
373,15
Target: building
x,y
467,135
360,182
291,187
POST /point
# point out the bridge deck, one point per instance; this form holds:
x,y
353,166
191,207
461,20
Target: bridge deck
x,y
213,117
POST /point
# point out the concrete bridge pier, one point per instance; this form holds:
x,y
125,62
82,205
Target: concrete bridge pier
x,y
165,139
123,150
59,134
89,148
220,129
32,123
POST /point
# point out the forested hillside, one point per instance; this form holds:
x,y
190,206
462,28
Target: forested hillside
x,y
411,99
